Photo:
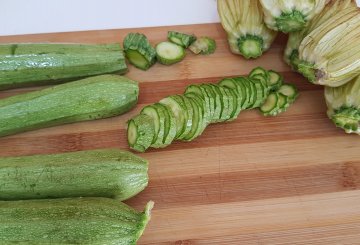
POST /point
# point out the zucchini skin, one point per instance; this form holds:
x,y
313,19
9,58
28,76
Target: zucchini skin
x,y
23,65
87,99
109,173
71,221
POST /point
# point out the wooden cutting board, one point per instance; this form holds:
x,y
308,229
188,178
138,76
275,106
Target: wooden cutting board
x,y
291,179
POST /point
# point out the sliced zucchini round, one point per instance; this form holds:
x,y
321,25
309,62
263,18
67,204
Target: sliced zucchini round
x,y
169,53
269,104
158,116
140,132
275,80
197,123
170,125
290,91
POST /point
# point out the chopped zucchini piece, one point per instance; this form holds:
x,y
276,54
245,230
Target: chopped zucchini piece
x,y
259,70
158,115
169,53
170,125
139,51
269,104
275,80
140,132
205,116
177,107
200,91
203,45
290,91
196,123
188,113
182,39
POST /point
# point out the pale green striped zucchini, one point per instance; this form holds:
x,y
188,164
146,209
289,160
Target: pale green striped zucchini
x,y
97,173
71,221
87,99
43,63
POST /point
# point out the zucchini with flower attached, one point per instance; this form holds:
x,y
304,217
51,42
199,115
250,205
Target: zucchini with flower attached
x,y
329,55
203,45
87,220
25,64
244,24
139,51
202,104
290,15
291,55
343,105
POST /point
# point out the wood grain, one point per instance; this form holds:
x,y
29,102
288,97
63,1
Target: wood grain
x,y
292,179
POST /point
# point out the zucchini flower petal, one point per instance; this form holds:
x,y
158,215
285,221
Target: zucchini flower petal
x,y
330,54
290,15
344,105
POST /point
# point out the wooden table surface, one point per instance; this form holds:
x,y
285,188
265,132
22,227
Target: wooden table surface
x,y
291,179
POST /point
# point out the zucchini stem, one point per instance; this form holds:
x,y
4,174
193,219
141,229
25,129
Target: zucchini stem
x,y
290,22
250,46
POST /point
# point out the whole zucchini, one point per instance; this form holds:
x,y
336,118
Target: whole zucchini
x,y
87,99
97,173
71,221
37,64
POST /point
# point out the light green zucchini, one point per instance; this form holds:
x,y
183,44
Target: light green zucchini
x,y
71,221
43,63
87,99
97,173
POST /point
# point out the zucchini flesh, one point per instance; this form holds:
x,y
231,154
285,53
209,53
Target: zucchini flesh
x,y
289,91
232,84
87,99
182,39
200,91
236,104
196,121
98,173
218,103
177,110
141,132
269,104
24,65
71,221
168,53
275,80
204,112
188,114
259,70
157,113
139,51
170,125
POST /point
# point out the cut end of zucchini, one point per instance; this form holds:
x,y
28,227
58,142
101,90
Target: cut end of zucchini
x,y
169,53
137,59
139,51
290,22
250,46
146,217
